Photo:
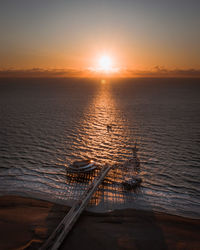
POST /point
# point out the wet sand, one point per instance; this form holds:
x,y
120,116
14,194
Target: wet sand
x,y
25,224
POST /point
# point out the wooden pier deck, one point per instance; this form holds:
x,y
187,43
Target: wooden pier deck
x,y
57,237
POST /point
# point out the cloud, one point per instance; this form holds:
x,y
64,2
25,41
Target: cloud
x,y
39,72
157,71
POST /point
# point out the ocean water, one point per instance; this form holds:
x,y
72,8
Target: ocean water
x,y
46,124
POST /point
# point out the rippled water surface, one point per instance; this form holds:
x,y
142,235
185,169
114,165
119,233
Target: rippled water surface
x,y
46,124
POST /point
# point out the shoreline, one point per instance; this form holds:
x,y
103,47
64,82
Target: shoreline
x,y
25,223
68,203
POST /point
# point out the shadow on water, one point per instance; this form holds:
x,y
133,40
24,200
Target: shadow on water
x,y
112,189
144,232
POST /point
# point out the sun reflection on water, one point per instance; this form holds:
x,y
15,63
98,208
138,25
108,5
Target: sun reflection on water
x,y
105,146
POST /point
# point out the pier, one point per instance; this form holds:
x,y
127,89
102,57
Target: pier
x,y
59,234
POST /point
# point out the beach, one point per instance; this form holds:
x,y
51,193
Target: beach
x,y
26,223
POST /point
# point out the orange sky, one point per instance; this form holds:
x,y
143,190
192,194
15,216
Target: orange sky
x,y
64,35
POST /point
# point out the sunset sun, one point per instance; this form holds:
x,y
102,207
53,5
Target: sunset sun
x,y
105,63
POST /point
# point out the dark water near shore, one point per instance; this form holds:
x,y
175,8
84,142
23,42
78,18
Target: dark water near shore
x,y
45,124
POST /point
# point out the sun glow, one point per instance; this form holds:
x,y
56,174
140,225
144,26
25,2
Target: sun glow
x,y
104,64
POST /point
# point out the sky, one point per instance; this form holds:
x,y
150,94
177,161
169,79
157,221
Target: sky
x,y
73,34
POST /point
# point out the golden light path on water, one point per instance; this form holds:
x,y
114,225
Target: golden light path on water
x,y
103,143
104,138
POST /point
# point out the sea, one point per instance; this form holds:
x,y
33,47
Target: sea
x,y
47,124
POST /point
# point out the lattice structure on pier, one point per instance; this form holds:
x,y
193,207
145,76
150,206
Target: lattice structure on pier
x,y
111,190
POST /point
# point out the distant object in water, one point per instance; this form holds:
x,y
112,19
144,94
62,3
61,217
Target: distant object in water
x,y
109,127
82,166
132,183
135,149
135,160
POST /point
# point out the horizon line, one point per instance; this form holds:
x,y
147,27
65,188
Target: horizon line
x,y
156,72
